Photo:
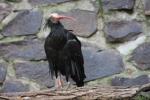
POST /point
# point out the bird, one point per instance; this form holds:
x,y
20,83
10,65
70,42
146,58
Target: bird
x,y
63,52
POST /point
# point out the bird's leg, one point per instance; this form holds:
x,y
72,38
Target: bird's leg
x,y
56,83
60,82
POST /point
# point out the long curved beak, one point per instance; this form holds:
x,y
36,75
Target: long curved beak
x,y
66,17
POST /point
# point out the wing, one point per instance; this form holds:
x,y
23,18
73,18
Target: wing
x,y
52,57
75,62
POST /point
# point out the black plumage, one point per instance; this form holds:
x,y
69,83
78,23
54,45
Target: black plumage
x,y
63,51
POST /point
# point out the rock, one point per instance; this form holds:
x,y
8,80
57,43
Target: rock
x,y
131,45
141,56
84,25
120,31
37,71
96,66
47,2
14,85
26,23
140,80
101,64
3,72
27,50
87,5
5,10
118,4
147,7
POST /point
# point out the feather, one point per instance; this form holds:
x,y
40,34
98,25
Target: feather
x,y
63,52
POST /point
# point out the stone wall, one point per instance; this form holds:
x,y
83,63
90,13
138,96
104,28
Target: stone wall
x,y
114,35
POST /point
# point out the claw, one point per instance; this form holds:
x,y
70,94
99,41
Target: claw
x,y
68,86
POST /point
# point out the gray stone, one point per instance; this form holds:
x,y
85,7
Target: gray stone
x,y
28,50
84,25
147,7
141,56
25,23
47,2
38,71
3,72
5,9
140,80
96,66
120,31
14,85
118,4
101,64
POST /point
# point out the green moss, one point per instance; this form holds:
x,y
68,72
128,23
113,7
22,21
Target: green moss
x,y
1,37
13,0
142,96
11,39
101,8
10,71
1,26
60,7
33,85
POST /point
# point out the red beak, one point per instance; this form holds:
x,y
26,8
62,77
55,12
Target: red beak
x,y
65,17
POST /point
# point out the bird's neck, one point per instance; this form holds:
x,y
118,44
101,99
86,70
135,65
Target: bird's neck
x,y
56,26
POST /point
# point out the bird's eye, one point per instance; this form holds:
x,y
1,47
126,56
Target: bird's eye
x,y
53,20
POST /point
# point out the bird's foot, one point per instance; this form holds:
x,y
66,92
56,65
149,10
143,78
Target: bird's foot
x,y
54,88
58,84
68,86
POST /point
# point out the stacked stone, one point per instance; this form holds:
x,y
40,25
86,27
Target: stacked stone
x,y
113,34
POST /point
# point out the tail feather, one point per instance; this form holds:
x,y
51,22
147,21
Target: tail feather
x,y
72,51
77,74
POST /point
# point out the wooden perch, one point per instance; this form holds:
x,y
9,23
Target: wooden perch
x,y
83,93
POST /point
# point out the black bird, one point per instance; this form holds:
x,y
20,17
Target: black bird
x,y
63,52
